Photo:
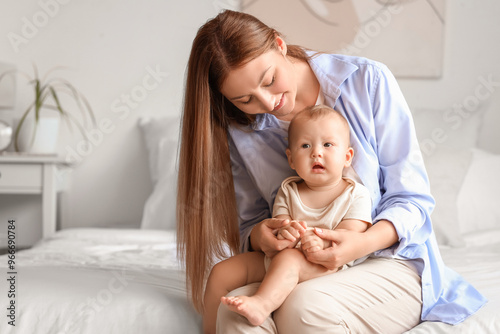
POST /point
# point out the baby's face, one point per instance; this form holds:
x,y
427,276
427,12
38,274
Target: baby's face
x,y
319,149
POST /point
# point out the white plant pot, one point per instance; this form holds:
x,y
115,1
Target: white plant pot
x,y
45,135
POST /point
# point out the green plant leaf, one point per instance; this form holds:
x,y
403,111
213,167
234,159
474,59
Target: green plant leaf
x,y
80,100
50,88
19,125
56,99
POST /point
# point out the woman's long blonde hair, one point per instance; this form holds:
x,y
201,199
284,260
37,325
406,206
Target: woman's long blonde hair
x,y
207,218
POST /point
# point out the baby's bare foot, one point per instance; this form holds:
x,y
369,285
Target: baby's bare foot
x,y
250,307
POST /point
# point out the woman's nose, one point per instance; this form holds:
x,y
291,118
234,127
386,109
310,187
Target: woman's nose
x,y
267,100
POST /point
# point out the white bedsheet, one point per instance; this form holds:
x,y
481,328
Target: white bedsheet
x,y
101,281
129,281
479,263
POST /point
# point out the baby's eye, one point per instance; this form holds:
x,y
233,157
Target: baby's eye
x,y
328,145
305,146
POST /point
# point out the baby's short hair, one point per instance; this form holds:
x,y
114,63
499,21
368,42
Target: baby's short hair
x,y
316,112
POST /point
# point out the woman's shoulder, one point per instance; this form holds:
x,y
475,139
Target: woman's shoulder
x,y
334,70
346,59
359,61
336,62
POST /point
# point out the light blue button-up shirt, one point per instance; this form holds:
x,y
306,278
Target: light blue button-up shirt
x,y
387,160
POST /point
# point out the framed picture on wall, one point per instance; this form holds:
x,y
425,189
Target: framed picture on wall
x,y
406,35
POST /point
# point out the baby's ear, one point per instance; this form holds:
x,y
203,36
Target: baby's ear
x,y
289,156
348,157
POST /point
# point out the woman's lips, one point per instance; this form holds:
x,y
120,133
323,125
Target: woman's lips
x,y
280,104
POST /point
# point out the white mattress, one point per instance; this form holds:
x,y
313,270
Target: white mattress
x,y
129,281
478,263
101,281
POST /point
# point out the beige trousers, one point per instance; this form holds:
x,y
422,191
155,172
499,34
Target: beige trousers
x,y
376,296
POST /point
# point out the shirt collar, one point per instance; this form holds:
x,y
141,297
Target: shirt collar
x,y
331,71
264,121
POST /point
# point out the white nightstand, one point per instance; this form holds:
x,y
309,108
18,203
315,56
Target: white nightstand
x,y
33,174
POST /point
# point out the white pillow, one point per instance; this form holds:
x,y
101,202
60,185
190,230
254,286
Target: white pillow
x,y
446,169
479,197
161,135
438,128
446,138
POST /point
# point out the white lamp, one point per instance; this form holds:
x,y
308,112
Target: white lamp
x,y
7,101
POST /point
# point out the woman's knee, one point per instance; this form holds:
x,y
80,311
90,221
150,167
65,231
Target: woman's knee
x,y
308,310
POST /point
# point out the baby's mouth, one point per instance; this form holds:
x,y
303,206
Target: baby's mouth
x,y
318,166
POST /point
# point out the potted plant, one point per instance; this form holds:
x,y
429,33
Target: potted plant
x,y
47,95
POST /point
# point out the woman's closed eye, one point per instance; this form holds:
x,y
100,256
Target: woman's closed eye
x,y
268,85
271,83
247,101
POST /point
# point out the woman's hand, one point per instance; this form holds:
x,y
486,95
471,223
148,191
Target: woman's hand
x,y
346,246
263,236
310,242
349,245
292,231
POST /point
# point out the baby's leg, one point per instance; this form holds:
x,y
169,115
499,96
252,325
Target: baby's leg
x,y
227,275
287,269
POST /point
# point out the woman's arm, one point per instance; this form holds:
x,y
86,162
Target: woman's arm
x,y
355,225
406,201
349,245
393,169
252,208
263,237
311,242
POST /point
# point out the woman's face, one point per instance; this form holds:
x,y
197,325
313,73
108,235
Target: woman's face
x,y
266,84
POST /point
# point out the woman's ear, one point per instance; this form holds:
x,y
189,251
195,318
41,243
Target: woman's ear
x,y
289,156
281,45
349,154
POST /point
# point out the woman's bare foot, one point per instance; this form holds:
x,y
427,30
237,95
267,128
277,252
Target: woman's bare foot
x,y
251,308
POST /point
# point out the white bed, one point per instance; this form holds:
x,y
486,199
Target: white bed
x,y
480,265
129,280
101,281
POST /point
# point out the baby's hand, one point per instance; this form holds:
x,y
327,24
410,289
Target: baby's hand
x,y
312,243
292,231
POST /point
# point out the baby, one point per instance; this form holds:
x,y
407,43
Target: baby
x,y
319,197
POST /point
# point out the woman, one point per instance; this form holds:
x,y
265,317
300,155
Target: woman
x,y
244,84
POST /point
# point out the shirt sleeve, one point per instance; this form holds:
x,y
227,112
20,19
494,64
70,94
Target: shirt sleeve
x,y
252,207
361,205
280,204
405,192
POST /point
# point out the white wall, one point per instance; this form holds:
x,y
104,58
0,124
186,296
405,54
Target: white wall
x,y
471,57
109,47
